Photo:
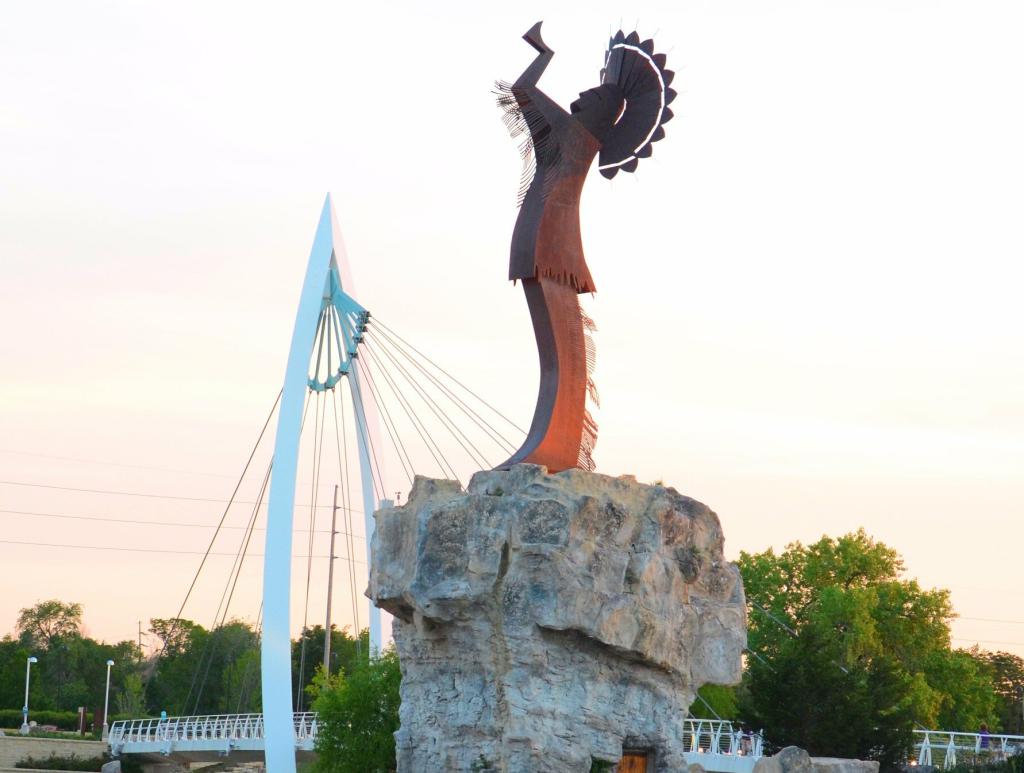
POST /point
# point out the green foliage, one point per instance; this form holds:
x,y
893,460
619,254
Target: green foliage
x,y
64,720
48,622
74,762
131,698
1008,678
71,671
601,766
358,716
848,655
1014,764
12,674
204,672
345,650
193,671
963,688
715,702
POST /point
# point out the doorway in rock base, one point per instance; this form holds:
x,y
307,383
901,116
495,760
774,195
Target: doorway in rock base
x,y
633,762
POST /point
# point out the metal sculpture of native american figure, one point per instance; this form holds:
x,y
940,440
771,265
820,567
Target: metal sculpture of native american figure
x,y
616,121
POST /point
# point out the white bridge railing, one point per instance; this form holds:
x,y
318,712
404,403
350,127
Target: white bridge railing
x,y
721,746
713,736
717,745
944,748
219,733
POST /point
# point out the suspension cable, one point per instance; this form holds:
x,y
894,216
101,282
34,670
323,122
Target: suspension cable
x,y
220,617
708,705
417,422
389,424
347,515
202,563
318,455
445,420
364,430
449,375
383,339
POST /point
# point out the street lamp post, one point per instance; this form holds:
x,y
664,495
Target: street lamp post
x,y
24,709
106,701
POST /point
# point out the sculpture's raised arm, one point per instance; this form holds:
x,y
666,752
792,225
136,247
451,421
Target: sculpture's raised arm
x,y
525,86
537,67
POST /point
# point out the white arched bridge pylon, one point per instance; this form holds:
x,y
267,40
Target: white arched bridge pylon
x,y
431,422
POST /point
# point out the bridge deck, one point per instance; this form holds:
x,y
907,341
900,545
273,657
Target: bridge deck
x,y
716,745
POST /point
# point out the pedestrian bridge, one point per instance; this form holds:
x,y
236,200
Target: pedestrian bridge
x,y
944,749
718,746
204,738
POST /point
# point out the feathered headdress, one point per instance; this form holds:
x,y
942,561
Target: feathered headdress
x,y
640,74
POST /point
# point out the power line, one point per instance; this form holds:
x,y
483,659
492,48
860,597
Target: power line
x,y
146,495
141,550
989,641
990,620
107,519
112,464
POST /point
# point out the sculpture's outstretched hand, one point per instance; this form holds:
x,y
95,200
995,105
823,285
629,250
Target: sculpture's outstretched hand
x,y
540,62
533,37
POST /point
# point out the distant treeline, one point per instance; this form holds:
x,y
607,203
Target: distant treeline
x,y
192,670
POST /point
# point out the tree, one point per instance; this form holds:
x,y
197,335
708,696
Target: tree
x,y
358,716
51,627
203,672
966,695
714,701
848,655
130,700
173,632
13,655
345,649
46,623
72,668
1008,677
863,710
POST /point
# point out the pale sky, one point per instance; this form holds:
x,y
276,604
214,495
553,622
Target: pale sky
x,y
808,299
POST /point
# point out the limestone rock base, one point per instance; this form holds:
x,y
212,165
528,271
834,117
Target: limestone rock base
x,y
793,759
546,621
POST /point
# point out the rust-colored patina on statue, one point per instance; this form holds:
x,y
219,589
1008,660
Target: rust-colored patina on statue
x,y
617,120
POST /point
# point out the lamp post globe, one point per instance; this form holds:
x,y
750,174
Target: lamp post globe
x,y
24,709
106,701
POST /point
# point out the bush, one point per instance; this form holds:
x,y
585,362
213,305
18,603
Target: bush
x,y
1014,764
64,720
69,762
74,762
358,716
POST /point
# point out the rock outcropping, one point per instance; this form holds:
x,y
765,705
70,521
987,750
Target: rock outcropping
x,y
546,621
793,759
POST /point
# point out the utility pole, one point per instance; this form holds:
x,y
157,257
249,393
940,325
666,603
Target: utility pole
x,y
330,585
140,640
